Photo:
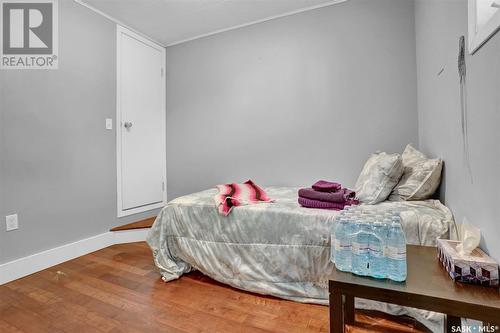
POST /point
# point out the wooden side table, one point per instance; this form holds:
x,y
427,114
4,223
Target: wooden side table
x,y
428,286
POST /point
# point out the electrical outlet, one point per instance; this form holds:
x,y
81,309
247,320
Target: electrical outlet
x,y
11,222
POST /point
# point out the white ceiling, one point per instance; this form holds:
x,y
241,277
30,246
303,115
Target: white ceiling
x,y
172,21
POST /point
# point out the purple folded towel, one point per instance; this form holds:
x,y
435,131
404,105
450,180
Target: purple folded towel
x,y
325,205
338,197
326,186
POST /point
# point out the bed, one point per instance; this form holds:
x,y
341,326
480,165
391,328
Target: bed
x,y
279,248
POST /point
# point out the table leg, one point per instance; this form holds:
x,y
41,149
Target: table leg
x,y
450,322
349,310
336,312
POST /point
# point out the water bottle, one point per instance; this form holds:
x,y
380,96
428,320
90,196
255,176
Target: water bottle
x,y
343,244
377,249
332,243
332,239
332,233
360,246
396,251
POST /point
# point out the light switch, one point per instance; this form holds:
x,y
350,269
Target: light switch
x,y
11,222
109,123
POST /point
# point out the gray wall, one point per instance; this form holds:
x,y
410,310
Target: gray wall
x,y
439,24
292,100
58,163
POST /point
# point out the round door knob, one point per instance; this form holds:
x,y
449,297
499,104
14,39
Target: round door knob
x,y
127,125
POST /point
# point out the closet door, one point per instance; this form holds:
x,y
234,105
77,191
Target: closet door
x,y
141,143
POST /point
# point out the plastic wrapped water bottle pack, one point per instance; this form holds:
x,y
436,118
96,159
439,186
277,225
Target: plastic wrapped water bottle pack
x,y
369,242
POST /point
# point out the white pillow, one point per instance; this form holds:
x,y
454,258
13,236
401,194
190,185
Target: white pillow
x,y
380,174
421,176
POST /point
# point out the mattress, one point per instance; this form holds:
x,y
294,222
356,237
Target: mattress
x,y
279,248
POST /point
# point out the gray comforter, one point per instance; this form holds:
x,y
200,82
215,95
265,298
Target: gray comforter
x,y
278,248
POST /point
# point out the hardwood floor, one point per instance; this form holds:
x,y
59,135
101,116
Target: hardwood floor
x,y
118,289
142,224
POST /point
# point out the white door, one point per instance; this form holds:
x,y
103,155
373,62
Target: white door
x,y
141,145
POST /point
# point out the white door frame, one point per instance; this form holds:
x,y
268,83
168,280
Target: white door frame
x,y
119,126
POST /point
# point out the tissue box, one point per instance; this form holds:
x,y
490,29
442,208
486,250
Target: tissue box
x,y
476,268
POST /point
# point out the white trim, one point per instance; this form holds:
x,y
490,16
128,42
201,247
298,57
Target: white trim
x,y
269,18
142,209
120,30
293,12
28,265
130,236
478,38
112,19
22,267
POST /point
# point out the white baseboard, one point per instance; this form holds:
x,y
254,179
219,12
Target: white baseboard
x,y
130,236
21,267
